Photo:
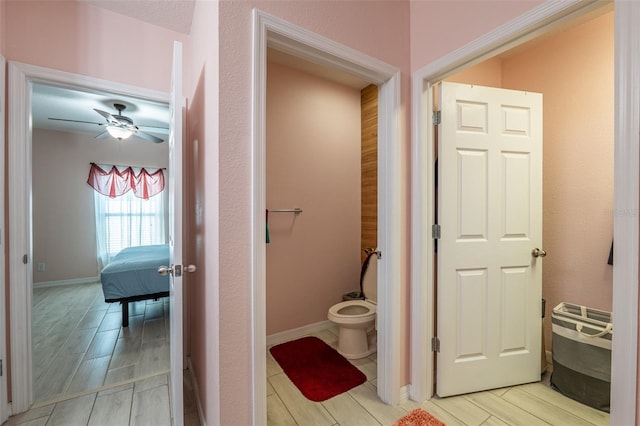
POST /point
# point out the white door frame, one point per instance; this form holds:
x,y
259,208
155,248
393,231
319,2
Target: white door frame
x,y
274,32
21,79
4,403
626,188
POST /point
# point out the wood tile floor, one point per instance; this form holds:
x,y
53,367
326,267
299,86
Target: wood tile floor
x,y
531,404
79,344
143,402
88,370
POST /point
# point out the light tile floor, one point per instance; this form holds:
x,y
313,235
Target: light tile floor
x,y
79,343
143,402
531,404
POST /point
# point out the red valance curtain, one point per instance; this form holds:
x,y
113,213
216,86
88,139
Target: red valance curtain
x,y
115,183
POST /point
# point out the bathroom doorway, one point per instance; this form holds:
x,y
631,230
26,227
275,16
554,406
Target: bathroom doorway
x,y
286,37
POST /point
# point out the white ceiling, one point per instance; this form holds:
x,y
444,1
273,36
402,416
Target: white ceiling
x,y
71,104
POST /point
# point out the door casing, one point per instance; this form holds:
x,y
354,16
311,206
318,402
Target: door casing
x,y
21,78
626,187
4,406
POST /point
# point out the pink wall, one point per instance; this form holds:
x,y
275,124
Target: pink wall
x,y
439,27
76,37
487,73
313,162
574,71
2,26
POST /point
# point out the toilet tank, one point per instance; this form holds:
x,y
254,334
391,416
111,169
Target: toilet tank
x,y
370,280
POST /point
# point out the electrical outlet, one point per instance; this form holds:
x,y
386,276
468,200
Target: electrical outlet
x,y
41,267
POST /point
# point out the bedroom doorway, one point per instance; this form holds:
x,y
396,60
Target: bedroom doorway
x,y
22,156
78,344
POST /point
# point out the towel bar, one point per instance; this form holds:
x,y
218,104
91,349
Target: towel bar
x,y
295,210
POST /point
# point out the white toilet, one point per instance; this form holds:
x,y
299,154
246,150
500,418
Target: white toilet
x,y
357,318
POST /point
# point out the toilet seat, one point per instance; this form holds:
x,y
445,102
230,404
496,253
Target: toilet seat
x,y
352,312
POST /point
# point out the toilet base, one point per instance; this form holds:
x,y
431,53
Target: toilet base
x,y
356,343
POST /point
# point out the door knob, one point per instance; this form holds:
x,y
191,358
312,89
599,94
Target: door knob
x,y
164,270
536,252
176,270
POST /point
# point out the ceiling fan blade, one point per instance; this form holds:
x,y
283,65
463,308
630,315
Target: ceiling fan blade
x,y
103,135
76,121
110,118
148,137
155,129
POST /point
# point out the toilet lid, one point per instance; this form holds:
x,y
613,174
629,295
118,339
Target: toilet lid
x,y
370,280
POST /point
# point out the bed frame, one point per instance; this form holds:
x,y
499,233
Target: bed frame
x,y
125,303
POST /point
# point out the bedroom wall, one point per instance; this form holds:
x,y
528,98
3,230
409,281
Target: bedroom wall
x,y
574,72
64,236
313,162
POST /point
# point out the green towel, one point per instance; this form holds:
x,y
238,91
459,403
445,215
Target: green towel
x,y
267,226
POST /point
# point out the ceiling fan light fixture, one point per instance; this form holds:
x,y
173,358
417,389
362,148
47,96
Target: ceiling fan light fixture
x,y
119,132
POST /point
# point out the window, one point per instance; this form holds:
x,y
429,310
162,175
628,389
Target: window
x,y
128,221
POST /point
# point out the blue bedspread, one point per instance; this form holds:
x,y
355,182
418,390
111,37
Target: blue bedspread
x,y
134,272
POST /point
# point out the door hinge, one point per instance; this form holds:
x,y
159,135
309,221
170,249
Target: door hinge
x,y
25,259
435,344
1,371
437,118
435,231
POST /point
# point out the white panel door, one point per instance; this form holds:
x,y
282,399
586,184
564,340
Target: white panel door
x,y
489,287
176,105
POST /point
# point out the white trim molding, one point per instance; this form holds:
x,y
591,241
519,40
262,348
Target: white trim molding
x,y
21,79
282,35
4,403
624,355
296,333
626,201
73,281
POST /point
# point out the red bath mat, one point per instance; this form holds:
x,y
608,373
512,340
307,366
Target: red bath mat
x,y
418,417
317,369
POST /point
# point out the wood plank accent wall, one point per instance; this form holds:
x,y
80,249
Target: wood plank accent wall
x,y
369,169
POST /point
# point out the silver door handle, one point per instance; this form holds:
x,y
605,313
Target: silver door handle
x,y
164,270
536,252
176,269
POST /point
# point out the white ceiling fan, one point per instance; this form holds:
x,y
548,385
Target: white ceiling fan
x,y
120,126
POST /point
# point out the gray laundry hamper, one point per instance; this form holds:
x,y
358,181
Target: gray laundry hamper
x,y
581,349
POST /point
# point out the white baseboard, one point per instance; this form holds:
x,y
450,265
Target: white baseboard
x,y
196,392
296,333
87,280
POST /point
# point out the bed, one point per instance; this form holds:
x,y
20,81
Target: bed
x,y
132,275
